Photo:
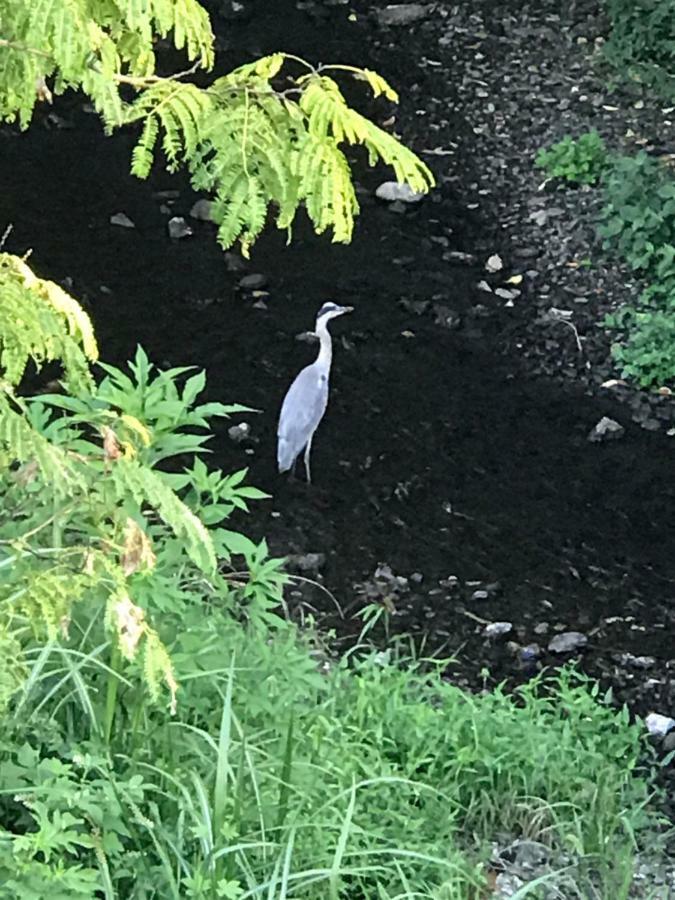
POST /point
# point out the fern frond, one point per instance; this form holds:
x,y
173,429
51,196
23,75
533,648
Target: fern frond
x,y
23,444
13,668
325,184
40,321
149,489
142,156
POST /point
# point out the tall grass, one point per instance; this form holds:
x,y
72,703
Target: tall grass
x,y
378,779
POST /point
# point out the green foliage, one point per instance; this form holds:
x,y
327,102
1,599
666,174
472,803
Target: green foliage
x,y
88,519
247,142
377,779
639,214
642,41
639,222
582,161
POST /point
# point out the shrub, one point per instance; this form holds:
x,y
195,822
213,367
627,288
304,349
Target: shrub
x,y
639,214
642,41
582,161
638,220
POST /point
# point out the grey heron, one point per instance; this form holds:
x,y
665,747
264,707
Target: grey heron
x,y
307,398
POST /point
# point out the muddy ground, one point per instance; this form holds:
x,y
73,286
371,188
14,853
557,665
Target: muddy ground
x,y
455,449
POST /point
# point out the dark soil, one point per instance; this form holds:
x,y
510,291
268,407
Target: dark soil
x,y
446,451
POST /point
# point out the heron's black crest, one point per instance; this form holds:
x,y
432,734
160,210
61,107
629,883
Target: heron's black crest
x,y
326,308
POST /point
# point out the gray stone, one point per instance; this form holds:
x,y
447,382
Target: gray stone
x,y
456,256
253,282
567,642
202,210
497,629
178,228
606,430
659,725
239,433
530,653
121,219
401,13
392,191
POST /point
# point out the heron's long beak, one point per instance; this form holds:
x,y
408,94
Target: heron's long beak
x,y
347,309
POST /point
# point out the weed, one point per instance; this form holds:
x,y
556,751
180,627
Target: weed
x,y
581,161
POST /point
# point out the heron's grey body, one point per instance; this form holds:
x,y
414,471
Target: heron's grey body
x,y
306,400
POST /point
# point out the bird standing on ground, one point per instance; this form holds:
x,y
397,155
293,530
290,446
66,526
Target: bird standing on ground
x,y
307,398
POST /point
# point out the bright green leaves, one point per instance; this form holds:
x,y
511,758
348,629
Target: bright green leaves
x,y
251,144
255,148
582,161
79,44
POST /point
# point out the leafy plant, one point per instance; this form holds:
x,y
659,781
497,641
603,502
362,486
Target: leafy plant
x,y
641,46
582,161
88,519
250,139
638,221
639,214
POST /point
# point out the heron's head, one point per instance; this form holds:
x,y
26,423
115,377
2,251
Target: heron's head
x,y
331,311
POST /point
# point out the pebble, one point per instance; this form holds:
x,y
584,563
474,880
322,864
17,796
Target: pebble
x,y
401,13
497,629
494,263
239,433
178,228
121,219
480,595
530,652
659,725
392,192
202,210
252,282
567,642
457,256
606,430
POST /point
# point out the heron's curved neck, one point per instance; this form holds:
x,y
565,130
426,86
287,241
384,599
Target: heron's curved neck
x,y
326,349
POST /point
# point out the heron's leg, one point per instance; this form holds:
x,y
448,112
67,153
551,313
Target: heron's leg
x,y
308,450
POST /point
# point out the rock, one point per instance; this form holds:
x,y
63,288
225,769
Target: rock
x,y
567,642
121,219
480,595
530,653
401,14
456,256
178,228
659,725
637,662
606,430
494,263
497,629
253,282
239,433
392,191
398,207
507,294
202,210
